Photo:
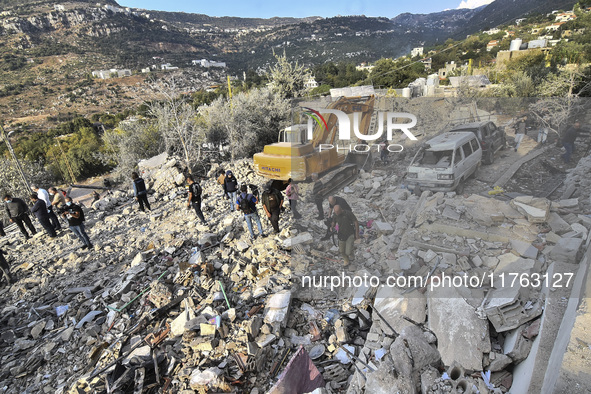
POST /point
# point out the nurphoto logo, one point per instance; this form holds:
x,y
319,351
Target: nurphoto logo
x,y
344,129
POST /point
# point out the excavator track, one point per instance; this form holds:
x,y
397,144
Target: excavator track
x,y
338,178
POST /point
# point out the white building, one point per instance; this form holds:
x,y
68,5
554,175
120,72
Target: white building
x,y
113,72
168,66
565,16
208,63
492,31
311,83
416,52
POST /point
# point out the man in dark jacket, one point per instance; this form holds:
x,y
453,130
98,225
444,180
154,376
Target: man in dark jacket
x,y
333,201
2,233
46,198
17,211
195,191
568,140
272,200
140,192
40,210
75,217
5,268
231,188
348,233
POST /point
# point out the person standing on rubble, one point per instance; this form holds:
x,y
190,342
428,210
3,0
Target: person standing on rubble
x,y
568,141
44,195
330,222
18,212
348,232
5,268
140,191
194,201
75,216
221,180
231,188
520,132
317,195
40,210
272,200
293,195
246,203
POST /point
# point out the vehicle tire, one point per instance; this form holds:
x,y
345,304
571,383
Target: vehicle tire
x,y
489,157
460,188
475,173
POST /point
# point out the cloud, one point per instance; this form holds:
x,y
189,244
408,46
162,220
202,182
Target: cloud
x,y
473,3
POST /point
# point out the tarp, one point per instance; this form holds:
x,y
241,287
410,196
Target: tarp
x,y
299,376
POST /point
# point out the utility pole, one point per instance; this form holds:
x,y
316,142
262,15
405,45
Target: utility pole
x,y
17,163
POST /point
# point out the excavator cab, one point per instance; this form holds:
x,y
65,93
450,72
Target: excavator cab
x,y
296,157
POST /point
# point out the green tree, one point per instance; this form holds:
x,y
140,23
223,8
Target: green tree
x,y
288,78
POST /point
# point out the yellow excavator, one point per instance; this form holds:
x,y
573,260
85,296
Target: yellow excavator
x,y
296,157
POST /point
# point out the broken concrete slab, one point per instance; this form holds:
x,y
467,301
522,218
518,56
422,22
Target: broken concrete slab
x,y
177,327
557,224
298,239
524,249
536,210
450,213
566,250
462,336
277,309
392,305
511,306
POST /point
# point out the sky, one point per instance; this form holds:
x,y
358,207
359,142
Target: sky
x,y
302,8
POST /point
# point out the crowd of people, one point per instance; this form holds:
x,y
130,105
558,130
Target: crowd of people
x,y
52,207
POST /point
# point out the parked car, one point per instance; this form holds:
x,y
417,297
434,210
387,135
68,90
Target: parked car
x,y
491,138
445,162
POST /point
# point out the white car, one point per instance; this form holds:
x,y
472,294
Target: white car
x,y
444,163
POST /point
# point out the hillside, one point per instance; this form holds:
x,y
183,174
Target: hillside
x,y
501,12
49,49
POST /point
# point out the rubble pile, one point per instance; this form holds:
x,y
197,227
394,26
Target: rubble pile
x,y
164,303
178,304
578,183
441,337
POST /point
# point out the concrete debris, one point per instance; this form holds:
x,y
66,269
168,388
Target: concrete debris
x,y
171,303
566,250
461,336
536,210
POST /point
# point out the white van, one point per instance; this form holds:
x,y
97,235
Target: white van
x,y
443,163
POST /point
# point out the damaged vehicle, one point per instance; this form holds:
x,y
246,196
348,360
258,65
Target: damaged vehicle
x,y
445,162
491,138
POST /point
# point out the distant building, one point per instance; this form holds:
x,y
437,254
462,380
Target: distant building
x,y
168,66
519,21
59,7
418,51
208,63
146,70
427,62
113,72
492,31
491,44
364,67
449,67
555,26
311,83
565,16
